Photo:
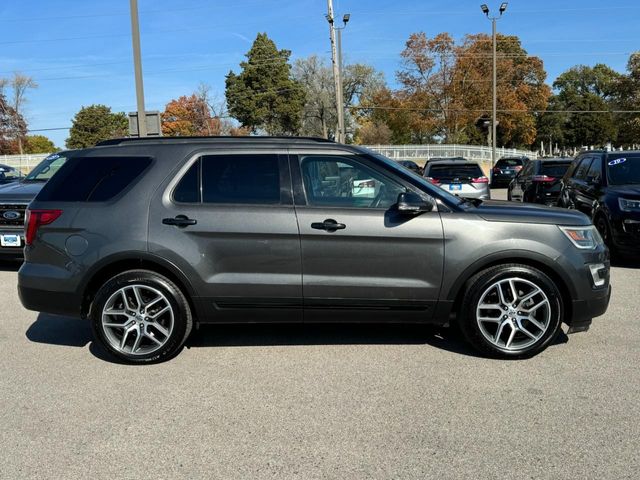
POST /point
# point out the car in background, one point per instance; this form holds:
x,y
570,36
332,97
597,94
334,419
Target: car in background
x,y
539,181
9,174
459,177
606,186
506,169
14,198
411,165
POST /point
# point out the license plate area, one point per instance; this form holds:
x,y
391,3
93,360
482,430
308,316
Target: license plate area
x,y
10,241
455,187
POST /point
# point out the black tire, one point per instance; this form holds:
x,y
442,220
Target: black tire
x,y
509,197
603,226
481,282
182,320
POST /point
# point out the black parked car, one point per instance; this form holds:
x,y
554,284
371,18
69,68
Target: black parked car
x,y
539,181
149,237
411,165
506,169
606,186
9,174
14,198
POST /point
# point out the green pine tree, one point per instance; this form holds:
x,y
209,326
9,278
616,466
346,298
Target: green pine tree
x,y
95,123
264,95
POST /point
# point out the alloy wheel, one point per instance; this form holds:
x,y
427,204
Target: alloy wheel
x,y
137,320
513,314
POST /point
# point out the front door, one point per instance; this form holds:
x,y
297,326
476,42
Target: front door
x,y
227,220
362,260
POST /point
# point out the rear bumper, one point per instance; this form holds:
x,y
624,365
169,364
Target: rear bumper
x,y
59,303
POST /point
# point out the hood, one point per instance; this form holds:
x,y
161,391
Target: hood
x,y
502,211
629,191
20,192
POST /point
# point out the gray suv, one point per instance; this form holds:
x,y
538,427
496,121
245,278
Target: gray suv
x,y
147,237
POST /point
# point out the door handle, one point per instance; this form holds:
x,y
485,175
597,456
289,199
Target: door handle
x,y
179,221
330,225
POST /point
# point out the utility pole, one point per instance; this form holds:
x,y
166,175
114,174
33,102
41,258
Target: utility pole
x,y
137,65
336,72
494,114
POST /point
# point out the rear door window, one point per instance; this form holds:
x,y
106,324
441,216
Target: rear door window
x,y
595,170
93,179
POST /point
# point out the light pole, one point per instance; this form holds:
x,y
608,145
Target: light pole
x,y
336,59
137,65
494,120
345,20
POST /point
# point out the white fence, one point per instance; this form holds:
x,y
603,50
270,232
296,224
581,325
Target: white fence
x,y
421,153
23,163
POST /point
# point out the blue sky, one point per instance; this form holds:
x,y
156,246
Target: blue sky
x,y
80,52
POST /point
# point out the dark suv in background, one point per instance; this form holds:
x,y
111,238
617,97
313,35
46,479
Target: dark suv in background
x,y
606,187
147,237
14,198
539,181
506,169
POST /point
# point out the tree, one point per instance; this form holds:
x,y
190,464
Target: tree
x,y
38,144
18,84
373,133
95,123
12,127
189,116
587,93
627,97
264,95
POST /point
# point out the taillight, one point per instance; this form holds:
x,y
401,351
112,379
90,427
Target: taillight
x,y
480,180
34,219
435,181
543,178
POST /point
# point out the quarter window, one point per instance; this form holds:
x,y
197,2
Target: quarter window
x,y
583,168
336,181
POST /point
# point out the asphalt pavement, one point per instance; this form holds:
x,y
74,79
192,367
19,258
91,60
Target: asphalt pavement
x,y
312,402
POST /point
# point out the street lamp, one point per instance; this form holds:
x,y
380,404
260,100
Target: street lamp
x,y
501,10
336,56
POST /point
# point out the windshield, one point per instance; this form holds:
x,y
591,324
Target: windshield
x,y
46,169
623,169
555,169
509,162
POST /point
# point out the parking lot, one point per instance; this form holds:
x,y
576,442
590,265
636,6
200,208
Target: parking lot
x,y
319,402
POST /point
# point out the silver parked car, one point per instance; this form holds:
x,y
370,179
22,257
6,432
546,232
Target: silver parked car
x,y
459,177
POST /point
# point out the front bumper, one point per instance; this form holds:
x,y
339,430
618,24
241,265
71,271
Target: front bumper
x,y
583,311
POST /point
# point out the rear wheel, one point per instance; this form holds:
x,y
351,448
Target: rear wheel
x,y
141,317
511,311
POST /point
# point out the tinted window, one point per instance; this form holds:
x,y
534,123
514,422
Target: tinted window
x,y
554,169
595,170
93,179
581,172
344,182
450,172
188,189
623,169
8,173
527,170
247,179
509,162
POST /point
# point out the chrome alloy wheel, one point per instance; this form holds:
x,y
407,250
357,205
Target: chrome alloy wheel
x,y
137,320
513,314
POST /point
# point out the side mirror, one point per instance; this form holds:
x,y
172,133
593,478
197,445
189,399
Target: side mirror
x,y
410,202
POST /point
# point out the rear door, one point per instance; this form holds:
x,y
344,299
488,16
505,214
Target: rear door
x,y
581,186
228,219
361,259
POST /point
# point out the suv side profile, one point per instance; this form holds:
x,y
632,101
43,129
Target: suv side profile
x,y
147,237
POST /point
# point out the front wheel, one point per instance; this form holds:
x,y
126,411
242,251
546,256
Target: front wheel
x,y
140,316
511,311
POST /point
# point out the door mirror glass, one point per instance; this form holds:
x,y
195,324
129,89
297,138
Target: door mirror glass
x,y
410,202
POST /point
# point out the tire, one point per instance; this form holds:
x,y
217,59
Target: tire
x,y
509,198
602,225
146,308
490,330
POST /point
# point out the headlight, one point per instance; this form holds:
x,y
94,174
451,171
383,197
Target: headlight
x,y
584,238
628,205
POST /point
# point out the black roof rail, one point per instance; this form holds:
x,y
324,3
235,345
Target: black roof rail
x,y
255,138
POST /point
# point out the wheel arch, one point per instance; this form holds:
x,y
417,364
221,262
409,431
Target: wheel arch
x,y
530,259
111,266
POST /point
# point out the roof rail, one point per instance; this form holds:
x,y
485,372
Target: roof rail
x,y
255,138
